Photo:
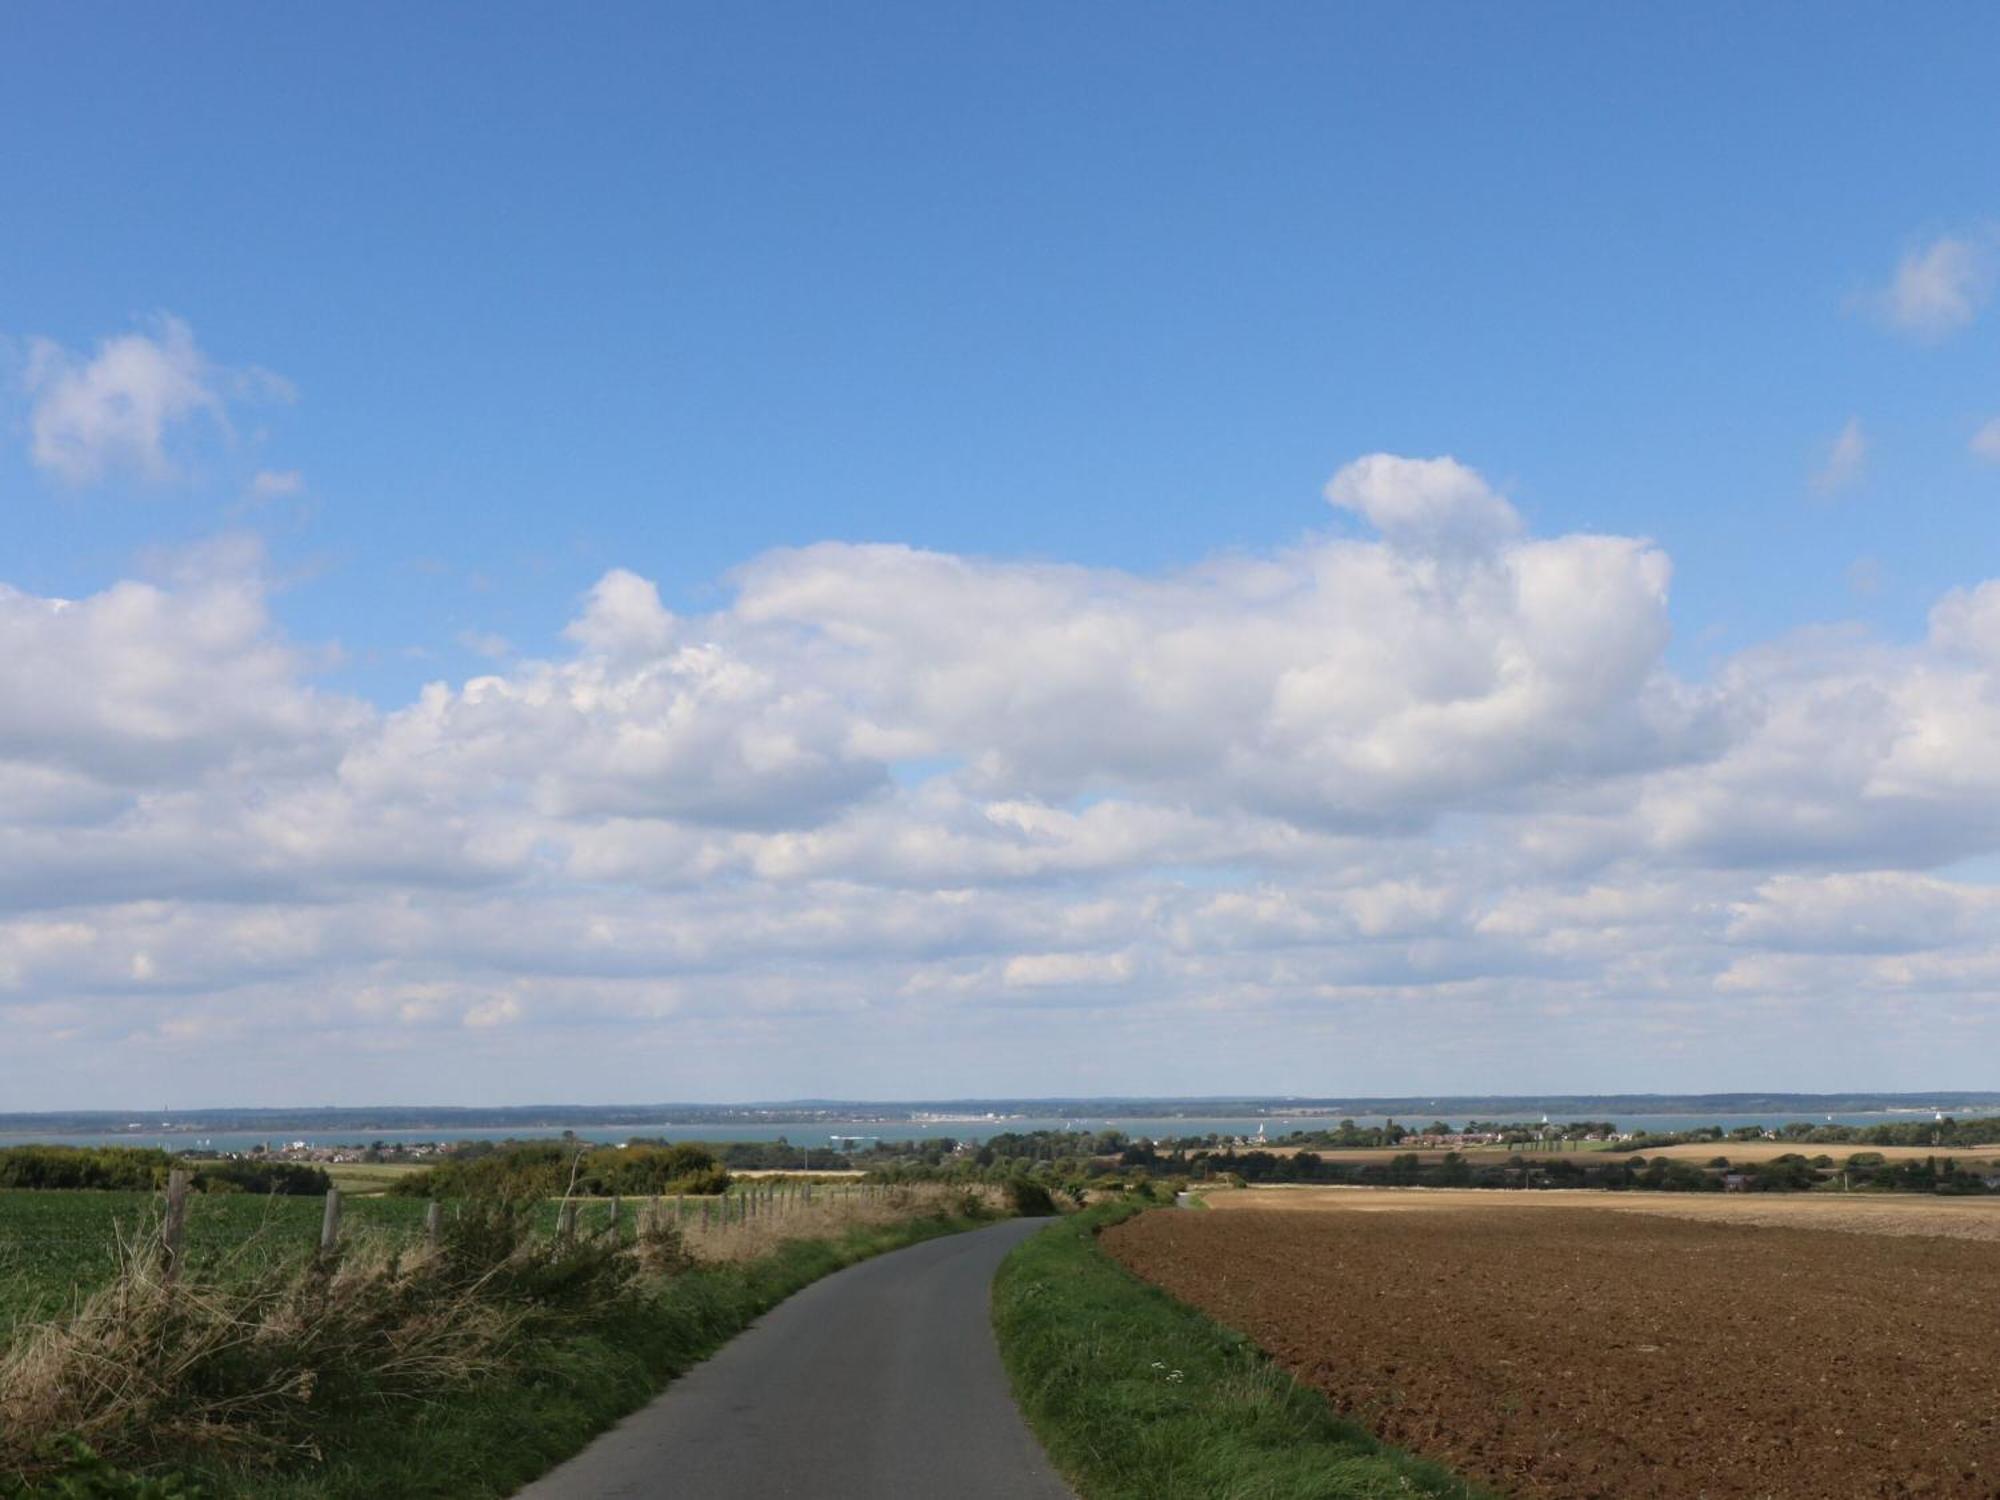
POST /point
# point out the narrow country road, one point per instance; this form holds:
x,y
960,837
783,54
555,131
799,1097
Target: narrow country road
x,y
881,1382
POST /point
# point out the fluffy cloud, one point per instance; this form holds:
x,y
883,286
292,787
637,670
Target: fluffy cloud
x,y
1940,287
144,684
118,408
1327,803
1434,505
1347,684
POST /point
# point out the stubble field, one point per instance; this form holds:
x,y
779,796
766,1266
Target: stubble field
x,y
1969,1158
1567,1352
1845,1213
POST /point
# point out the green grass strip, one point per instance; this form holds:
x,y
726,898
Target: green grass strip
x,y
1138,1397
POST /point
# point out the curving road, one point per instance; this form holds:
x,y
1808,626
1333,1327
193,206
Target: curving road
x,y
880,1382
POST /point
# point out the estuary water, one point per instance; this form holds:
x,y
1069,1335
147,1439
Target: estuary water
x,y
834,1137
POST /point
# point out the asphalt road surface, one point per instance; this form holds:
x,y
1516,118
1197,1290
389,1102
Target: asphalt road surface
x,y
880,1382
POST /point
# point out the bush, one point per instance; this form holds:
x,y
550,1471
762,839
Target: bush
x,y
102,1168
289,1178
1029,1198
547,1169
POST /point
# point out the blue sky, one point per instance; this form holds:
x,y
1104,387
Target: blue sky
x,y
502,302
1122,287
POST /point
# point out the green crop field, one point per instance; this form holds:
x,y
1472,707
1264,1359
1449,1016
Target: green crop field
x,y
55,1245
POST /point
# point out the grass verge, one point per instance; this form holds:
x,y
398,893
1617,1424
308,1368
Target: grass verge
x,y
492,1440
1139,1397
549,1382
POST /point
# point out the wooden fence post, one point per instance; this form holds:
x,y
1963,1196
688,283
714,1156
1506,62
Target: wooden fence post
x,y
433,1223
329,1224
173,1228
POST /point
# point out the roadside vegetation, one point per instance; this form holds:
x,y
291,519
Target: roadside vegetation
x,y
391,1367
541,1169
1138,1397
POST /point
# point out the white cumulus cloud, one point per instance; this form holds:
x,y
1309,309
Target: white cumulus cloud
x,y
118,408
1432,504
1313,809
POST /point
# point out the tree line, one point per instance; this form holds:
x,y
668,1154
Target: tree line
x,y
137,1169
547,1169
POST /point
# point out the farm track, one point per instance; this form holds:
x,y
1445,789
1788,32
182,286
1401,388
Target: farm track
x,y
1571,1354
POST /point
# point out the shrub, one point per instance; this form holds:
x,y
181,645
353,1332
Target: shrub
x,y
1029,1198
102,1168
544,1169
290,1178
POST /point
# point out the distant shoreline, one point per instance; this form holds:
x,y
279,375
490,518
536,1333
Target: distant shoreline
x,y
942,1113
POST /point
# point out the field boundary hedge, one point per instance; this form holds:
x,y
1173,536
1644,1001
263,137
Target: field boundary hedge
x,y
1137,1396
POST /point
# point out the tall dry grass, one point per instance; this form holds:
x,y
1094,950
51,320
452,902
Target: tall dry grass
x,y
253,1361
831,1213
242,1364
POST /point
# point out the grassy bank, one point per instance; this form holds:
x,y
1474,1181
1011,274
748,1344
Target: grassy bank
x,y
567,1348
1137,1397
566,1389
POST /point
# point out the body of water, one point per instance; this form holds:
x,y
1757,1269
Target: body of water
x,y
839,1136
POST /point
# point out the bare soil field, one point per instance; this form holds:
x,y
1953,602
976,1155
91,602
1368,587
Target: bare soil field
x,y
1560,1353
1848,1213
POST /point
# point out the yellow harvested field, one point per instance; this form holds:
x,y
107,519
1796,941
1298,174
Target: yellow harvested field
x,y
1846,1213
817,1174
1696,1151
360,1179
1700,1151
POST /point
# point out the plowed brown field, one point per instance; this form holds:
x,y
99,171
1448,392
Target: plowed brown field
x,y
1571,1354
